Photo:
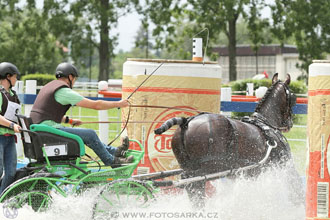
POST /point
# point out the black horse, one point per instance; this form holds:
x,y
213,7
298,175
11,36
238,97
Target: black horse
x,y
210,143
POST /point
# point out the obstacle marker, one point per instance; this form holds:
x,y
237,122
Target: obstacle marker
x,y
181,84
318,167
197,49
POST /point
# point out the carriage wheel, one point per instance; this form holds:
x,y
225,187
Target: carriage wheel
x,y
27,191
121,194
39,201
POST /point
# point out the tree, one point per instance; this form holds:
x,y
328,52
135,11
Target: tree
x,y
217,16
256,26
308,22
220,16
26,41
142,39
88,21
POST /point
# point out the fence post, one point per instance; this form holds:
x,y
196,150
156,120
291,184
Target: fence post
x,y
103,116
249,89
30,88
226,96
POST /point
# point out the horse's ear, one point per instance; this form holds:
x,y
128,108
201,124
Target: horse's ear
x,y
288,79
275,78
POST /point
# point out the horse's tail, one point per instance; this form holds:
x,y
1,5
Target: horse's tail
x,y
169,123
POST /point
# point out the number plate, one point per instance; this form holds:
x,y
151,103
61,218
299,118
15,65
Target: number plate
x,y
56,150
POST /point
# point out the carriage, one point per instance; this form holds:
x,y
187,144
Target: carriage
x,y
56,166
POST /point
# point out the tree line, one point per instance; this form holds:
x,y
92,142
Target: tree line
x,y
37,35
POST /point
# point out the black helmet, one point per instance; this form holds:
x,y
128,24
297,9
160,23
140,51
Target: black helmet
x,y
66,69
8,68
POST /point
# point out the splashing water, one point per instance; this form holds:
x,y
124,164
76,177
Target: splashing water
x,y
264,198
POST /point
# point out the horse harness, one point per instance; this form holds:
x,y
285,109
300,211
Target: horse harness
x,y
272,135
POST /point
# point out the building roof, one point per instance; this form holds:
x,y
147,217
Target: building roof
x,y
264,50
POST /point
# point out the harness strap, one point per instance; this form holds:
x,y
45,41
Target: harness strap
x,y
233,146
210,140
272,134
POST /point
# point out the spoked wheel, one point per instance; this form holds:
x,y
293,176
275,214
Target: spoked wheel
x,y
27,191
39,201
121,195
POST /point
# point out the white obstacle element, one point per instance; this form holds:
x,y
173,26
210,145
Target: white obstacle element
x,y
226,96
249,89
197,49
103,115
260,92
30,88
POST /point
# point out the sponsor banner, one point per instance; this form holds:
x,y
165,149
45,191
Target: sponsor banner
x,y
318,129
174,91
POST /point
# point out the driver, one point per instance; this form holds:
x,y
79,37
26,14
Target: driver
x,y
54,100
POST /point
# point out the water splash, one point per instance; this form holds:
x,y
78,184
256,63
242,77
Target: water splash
x,y
265,198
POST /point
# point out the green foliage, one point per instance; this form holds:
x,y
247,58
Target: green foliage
x,y
25,40
85,25
308,22
240,85
256,26
298,87
42,79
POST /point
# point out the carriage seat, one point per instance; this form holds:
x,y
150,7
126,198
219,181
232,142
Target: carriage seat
x,y
59,145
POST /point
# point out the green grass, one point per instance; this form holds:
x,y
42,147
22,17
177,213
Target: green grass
x,y
298,148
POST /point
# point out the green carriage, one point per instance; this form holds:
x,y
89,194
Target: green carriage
x,y
56,166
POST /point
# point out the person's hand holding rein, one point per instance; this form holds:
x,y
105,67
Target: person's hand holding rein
x,y
123,103
17,128
75,122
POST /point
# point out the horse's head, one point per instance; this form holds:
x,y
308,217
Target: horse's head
x,y
276,105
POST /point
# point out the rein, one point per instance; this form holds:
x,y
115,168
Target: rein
x,y
166,107
119,122
129,108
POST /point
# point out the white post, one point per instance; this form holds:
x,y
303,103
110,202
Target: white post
x,y
19,86
30,88
197,49
226,96
103,116
249,89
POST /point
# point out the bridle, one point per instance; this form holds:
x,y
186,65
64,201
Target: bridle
x,y
290,102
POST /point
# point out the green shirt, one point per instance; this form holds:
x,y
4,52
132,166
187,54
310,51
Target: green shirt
x,y
64,96
2,129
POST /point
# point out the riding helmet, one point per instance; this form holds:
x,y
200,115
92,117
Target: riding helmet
x,y
66,69
8,68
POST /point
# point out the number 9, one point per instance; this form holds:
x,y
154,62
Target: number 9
x,y
57,151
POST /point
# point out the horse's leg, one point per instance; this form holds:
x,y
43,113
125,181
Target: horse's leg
x,y
196,193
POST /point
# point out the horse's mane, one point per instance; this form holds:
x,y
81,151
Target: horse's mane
x,y
265,97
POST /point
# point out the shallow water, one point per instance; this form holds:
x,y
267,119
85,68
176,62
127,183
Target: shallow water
x,y
265,198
